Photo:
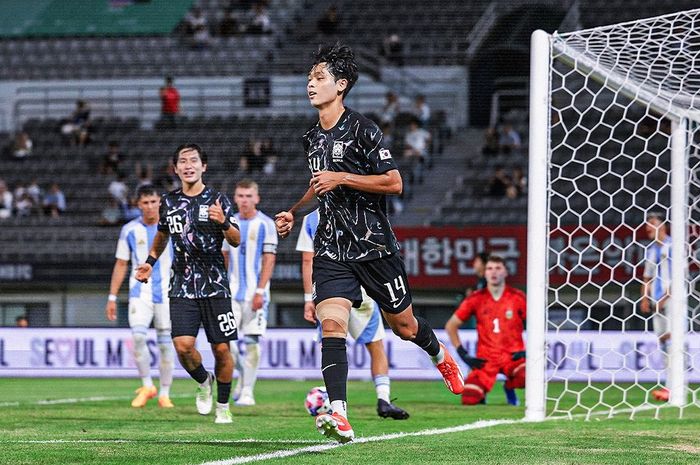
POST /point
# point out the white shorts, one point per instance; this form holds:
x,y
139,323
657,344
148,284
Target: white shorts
x,y
250,323
142,313
365,324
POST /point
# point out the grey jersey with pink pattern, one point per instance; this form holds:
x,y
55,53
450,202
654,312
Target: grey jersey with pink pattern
x,y
198,269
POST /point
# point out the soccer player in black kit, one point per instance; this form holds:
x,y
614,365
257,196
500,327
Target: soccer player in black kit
x,y
354,244
197,218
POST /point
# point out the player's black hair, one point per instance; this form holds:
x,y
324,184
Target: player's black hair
x,y
145,190
340,62
190,146
484,257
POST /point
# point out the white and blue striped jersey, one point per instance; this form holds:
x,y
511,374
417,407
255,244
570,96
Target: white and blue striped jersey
x,y
258,236
305,243
657,268
135,241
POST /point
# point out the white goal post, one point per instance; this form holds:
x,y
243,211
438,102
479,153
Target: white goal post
x,y
614,137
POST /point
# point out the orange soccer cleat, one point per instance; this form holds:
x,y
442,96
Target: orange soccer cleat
x,y
451,373
165,402
143,394
661,394
335,426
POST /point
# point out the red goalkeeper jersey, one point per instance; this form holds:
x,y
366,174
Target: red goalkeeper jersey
x,y
499,323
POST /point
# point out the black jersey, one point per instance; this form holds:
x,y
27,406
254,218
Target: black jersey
x,y
353,225
198,269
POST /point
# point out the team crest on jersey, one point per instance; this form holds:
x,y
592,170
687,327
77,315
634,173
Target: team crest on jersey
x,y
338,150
384,154
509,314
203,213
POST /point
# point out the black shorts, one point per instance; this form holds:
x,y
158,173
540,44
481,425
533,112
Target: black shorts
x,y
384,280
214,314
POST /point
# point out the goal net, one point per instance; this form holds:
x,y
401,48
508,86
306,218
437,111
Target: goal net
x,y
614,216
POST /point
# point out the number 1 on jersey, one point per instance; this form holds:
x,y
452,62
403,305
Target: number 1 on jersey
x,y
496,326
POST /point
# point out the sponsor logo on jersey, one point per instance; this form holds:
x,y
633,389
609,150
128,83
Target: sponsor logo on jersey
x,y
509,314
338,150
384,154
203,213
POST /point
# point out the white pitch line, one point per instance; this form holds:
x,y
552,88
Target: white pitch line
x,y
78,400
428,432
384,437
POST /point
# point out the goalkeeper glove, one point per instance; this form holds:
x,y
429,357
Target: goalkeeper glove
x,y
473,362
517,355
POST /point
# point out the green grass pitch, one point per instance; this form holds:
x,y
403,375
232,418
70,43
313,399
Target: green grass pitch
x,y
108,431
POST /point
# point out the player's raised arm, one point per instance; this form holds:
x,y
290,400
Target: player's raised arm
x,y
160,242
284,221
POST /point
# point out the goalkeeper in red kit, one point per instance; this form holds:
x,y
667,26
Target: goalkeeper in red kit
x,y
500,311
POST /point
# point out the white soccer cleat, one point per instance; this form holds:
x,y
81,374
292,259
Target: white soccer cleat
x,y
335,426
203,398
246,399
223,415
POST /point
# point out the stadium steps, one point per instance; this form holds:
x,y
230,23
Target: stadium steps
x,y
448,168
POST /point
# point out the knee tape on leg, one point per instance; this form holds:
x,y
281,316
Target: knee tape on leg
x,y
334,310
254,339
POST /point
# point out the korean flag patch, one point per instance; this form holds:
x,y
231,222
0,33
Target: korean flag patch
x,y
384,154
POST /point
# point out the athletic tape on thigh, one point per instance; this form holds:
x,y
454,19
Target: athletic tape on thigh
x,y
331,309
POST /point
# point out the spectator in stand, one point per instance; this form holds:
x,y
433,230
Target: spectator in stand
x,y
144,174
170,103
390,109
194,20
24,205
111,159
510,139
416,141
23,145
201,38
111,215
118,190
76,128
328,23
492,144
252,158
421,110
21,322
498,185
520,180
270,156
259,20
54,201
417,148
392,49
168,180
229,25
5,201
34,191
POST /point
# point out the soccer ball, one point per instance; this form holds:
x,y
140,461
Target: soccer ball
x,y
317,401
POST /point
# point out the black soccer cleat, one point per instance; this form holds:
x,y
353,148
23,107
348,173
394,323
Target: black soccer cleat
x,y
388,410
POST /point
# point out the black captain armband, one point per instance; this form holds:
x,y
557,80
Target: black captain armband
x,y
151,260
225,225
